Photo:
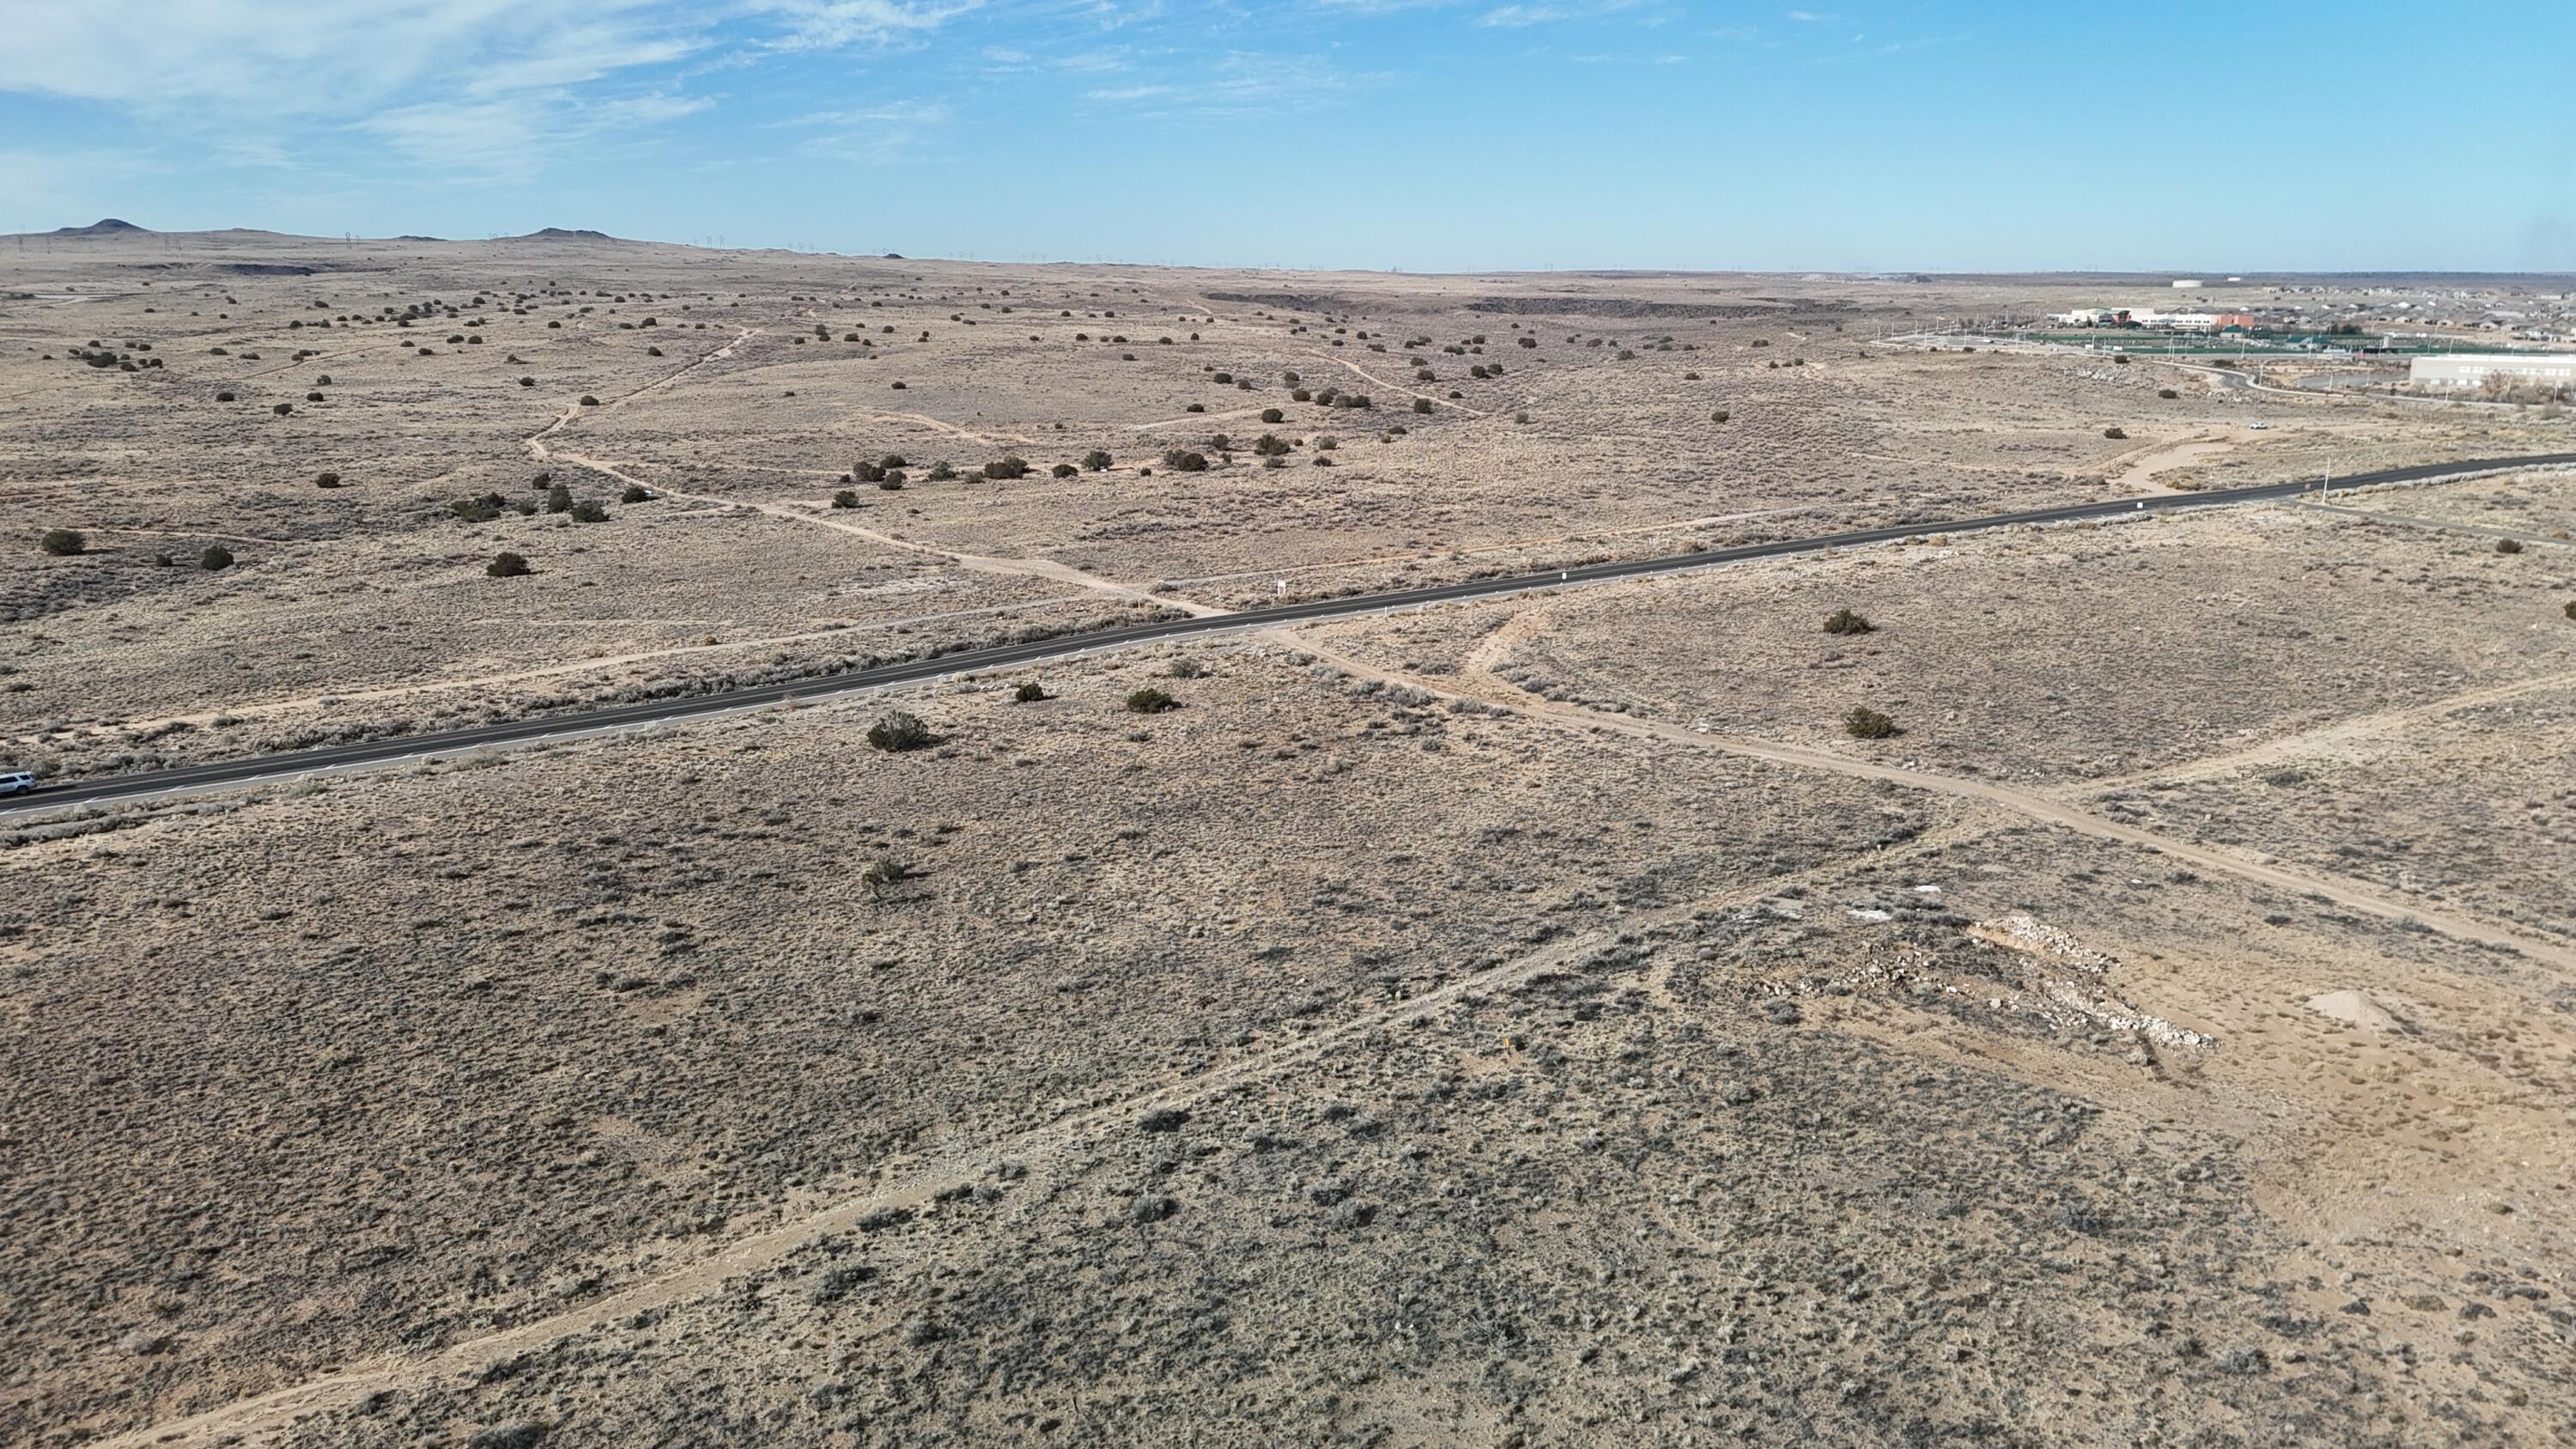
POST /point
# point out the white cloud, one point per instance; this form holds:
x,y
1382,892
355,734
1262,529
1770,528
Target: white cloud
x,y
831,24
486,86
1515,16
1242,81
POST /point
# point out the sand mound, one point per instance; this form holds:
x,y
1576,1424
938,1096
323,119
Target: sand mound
x,y
2353,1009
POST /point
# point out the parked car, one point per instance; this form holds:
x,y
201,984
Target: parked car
x,y
17,782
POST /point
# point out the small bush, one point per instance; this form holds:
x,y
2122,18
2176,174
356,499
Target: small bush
x,y
1864,723
883,874
1422,405
898,730
1273,415
1187,667
63,542
477,510
2114,433
1150,701
223,397
283,409
846,498
940,472
1063,470
559,499
1029,692
1721,415
892,482
588,401
636,493
507,566
589,510
1195,408
215,557
1096,460
2570,610
1007,468
1847,621
1181,460
2508,545
2168,394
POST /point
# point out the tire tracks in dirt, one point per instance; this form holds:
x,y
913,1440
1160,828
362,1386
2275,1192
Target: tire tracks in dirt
x,y
279,1410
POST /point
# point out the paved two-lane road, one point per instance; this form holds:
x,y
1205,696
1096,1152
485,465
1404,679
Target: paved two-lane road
x,y
262,768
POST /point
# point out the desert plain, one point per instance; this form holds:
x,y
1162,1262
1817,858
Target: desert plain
x,y
1546,1019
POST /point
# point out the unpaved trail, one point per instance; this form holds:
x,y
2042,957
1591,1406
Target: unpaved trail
x,y
1042,568
2030,804
1406,388
1503,546
2311,743
2138,468
552,671
2436,525
574,409
953,430
951,1166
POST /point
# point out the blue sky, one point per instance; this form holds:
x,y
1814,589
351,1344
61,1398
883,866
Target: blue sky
x,y
1417,134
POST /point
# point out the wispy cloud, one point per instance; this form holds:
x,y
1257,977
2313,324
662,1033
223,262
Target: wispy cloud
x,y
484,87
1244,81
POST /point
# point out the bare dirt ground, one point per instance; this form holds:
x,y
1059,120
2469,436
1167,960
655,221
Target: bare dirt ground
x,y
1531,1022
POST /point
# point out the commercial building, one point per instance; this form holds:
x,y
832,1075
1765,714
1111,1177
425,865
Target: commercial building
x,y
2472,369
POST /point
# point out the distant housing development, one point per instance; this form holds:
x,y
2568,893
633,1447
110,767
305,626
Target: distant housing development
x,y
2472,369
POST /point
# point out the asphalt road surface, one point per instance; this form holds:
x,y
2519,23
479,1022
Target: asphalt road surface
x,y
262,768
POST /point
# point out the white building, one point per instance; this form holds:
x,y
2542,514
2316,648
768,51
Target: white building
x,y
2472,369
2187,281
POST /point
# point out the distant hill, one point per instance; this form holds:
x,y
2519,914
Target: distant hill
x,y
104,226
558,233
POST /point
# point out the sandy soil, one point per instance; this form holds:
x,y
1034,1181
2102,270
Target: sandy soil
x,y
1525,1023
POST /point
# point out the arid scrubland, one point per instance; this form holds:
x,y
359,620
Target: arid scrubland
x,y
1565,1018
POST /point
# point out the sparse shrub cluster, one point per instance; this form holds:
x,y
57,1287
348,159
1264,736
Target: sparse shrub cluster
x,y
898,730
1864,723
1847,621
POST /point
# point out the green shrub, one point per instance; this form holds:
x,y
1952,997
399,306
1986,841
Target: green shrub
x,y
326,480
2508,545
1864,723
2114,433
63,542
507,566
1007,468
1273,415
846,498
1847,621
1150,700
2168,394
1270,445
940,472
2570,610
589,510
588,401
636,493
214,557
1096,460
883,874
477,510
1029,692
1181,460
1422,405
559,499
1187,667
899,730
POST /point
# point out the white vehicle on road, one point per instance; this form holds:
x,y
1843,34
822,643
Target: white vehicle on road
x,y
17,782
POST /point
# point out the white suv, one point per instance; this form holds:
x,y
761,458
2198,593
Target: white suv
x,y
17,782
